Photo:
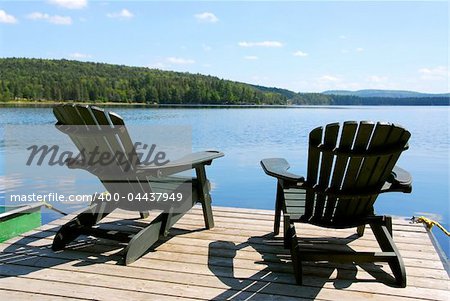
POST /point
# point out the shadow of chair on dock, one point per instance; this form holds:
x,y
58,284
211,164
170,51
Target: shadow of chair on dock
x,y
33,251
276,278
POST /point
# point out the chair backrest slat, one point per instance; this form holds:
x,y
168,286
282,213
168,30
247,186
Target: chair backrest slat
x,y
67,115
124,138
346,141
326,163
315,138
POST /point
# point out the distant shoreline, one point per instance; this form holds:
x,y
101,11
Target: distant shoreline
x,y
145,105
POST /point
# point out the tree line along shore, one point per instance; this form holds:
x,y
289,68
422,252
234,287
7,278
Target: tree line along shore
x,y
24,80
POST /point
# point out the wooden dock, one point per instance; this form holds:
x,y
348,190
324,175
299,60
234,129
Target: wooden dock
x,y
238,260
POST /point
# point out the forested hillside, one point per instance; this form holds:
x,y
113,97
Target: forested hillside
x,y
63,80
24,79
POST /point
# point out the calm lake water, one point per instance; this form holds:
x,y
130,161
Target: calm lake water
x,y
248,135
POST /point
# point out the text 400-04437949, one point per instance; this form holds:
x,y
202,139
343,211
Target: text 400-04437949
x,y
141,197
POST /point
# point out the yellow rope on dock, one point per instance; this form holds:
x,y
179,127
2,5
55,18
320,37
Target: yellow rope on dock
x,y
429,223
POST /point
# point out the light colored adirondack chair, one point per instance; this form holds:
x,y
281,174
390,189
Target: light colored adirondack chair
x,y
348,167
106,132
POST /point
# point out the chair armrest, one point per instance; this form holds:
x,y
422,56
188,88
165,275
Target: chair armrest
x,y
187,162
277,167
399,180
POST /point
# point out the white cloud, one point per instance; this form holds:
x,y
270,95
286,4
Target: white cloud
x,y
434,73
342,37
329,78
5,18
55,19
38,16
77,55
300,53
123,14
274,44
251,57
157,65
332,82
180,61
70,4
206,17
341,82
59,20
382,82
359,49
171,63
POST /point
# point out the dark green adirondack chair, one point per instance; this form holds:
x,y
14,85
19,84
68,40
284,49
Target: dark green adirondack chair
x,y
93,129
348,167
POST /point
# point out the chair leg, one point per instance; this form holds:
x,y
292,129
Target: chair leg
x,y
144,214
170,220
388,221
295,255
360,230
278,206
75,227
286,232
398,269
205,197
147,237
383,235
143,240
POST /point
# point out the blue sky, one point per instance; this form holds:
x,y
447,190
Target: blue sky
x,y
302,46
